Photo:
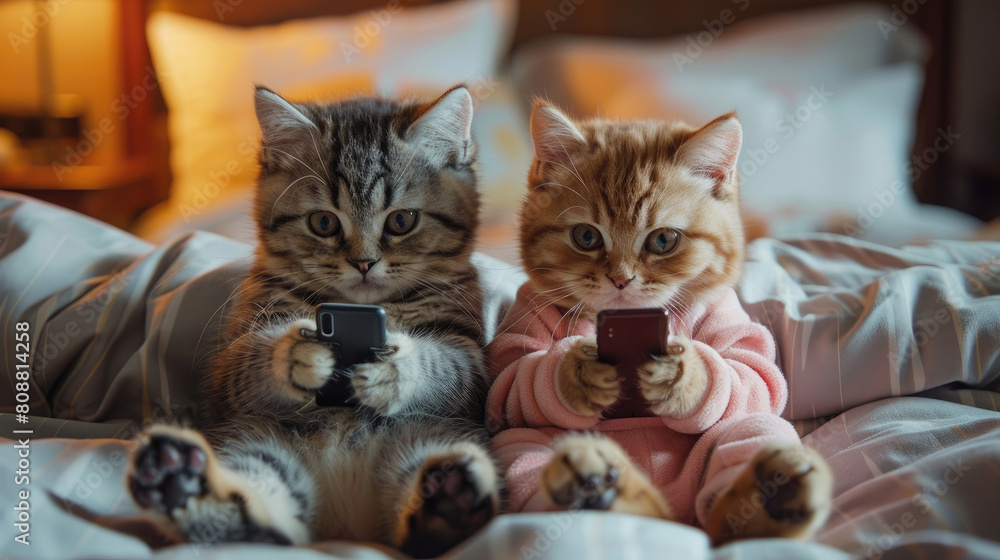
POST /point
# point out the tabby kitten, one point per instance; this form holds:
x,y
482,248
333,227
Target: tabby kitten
x,y
367,201
644,214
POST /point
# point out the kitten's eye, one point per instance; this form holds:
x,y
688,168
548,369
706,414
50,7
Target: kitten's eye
x,y
324,224
400,222
662,241
587,237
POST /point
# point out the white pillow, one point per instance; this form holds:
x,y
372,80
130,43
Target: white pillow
x,y
207,72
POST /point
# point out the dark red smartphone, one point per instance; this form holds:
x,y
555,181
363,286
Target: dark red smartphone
x,y
625,339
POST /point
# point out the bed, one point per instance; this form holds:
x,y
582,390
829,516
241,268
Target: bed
x,y
892,355
890,340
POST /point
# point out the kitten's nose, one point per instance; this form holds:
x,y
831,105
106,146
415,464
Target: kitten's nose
x,y
620,281
364,265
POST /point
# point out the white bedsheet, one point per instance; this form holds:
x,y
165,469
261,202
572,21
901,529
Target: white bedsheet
x,y
913,473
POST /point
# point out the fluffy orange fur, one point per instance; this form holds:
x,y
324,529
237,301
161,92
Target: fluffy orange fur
x,y
644,214
629,179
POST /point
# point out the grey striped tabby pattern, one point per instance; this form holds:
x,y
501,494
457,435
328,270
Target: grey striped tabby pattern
x,y
367,201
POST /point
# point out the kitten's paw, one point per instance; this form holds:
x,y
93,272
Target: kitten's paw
x,y
176,474
302,365
587,386
167,471
454,496
589,471
674,384
383,384
786,491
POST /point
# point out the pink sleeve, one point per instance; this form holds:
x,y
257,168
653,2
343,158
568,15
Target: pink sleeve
x,y
743,377
524,359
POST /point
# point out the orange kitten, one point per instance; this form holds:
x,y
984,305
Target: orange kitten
x,y
645,214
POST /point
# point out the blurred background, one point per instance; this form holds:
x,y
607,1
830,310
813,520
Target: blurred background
x,y
875,120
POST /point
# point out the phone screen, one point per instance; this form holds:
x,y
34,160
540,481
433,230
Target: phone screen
x,y
625,339
355,332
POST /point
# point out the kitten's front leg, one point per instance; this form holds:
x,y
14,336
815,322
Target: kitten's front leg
x,y
674,384
385,385
443,374
587,385
300,365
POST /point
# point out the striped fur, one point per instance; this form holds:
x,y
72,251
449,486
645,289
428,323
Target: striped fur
x,y
353,472
626,182
630,178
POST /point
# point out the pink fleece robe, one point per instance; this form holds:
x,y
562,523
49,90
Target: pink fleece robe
x,y
689,459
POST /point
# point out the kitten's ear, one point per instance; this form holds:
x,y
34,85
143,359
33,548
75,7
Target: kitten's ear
x,y
445,127
554,134
280,121
712,151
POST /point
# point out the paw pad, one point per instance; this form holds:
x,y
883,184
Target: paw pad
x,y
454,507
168,472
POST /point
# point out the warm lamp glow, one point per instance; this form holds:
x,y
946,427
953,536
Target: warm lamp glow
x,y
82,59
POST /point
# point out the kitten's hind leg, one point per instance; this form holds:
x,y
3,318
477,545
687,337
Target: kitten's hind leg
x,y
452,495
790,489
178,477
590,471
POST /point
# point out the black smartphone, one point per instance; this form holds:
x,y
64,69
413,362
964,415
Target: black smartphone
x,y
356,333
625,339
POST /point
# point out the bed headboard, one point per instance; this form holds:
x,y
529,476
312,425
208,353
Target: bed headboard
x,y
651,18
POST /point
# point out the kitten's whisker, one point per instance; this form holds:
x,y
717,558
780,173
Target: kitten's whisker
x,y
276,299
556,327
574,171
533,311
540,185
560,216
236,292
298,160
319,158
466,308
270,218
399,176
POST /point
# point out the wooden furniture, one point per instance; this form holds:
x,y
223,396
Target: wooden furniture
x,y
112,194
115,193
